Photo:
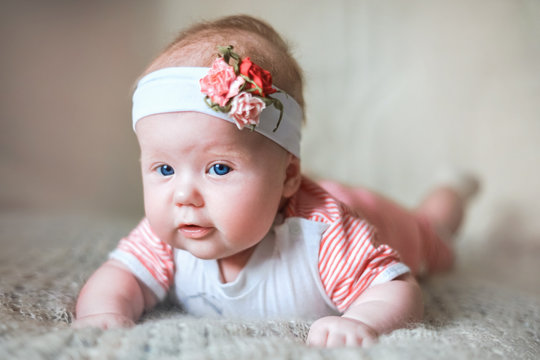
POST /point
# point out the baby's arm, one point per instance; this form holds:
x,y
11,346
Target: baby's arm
x,y
112,297
380,309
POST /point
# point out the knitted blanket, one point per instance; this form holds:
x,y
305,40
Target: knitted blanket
x,y
487,308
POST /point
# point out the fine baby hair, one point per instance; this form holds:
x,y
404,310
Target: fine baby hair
x,y
232,228
250,37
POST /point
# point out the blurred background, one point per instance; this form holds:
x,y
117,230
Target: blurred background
x,y
396,91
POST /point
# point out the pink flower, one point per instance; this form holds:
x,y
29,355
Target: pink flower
x,y
246,110
221,83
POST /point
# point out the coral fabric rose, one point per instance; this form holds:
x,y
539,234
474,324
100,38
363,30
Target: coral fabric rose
x,y
261,77
221,82
246,110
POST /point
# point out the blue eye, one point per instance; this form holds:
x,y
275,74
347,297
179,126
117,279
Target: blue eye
x,y
219,169
166,170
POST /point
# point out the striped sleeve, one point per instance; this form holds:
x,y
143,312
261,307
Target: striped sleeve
x,y
350,261
350,257
149,259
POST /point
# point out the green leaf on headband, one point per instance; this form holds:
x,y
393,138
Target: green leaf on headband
x,y
278,105
267,101
227,54
255,88
214,106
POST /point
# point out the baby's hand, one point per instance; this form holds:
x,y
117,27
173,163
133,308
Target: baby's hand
x,y
334,331
103,321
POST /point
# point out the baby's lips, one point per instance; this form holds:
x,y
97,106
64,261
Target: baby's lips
x,y
194,231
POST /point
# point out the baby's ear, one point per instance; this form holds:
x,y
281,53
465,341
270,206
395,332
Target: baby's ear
x,y
293,177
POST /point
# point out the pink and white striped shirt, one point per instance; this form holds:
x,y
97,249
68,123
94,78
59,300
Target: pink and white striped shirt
x,y
350,257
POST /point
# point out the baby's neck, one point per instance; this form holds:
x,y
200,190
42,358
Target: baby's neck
x,y
231,266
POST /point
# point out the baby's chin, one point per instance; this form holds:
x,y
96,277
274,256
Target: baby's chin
x,y
201,249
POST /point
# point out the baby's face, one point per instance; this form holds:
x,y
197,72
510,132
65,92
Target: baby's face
x,y
209,188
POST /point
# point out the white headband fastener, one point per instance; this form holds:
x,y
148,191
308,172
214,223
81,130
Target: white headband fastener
x,y
176,89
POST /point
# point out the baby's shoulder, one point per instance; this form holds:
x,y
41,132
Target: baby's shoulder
x,y
314,203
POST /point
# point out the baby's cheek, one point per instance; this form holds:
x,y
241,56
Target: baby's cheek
x,y
161,228
257,220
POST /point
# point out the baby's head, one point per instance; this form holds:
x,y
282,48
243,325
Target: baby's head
x,y
209,187
250,37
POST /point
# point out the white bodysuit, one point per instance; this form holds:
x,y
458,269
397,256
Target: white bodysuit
x,y
314,262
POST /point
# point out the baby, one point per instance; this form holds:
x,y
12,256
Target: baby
x,y
233,228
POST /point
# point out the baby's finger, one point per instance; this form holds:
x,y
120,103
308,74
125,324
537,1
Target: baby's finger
x,y
103,321
369,341
366,336
353,340
317,337
336,339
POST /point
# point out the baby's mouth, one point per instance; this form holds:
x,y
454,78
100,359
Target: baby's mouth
x,y
194,231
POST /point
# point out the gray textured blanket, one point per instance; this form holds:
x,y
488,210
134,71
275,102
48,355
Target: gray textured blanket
x,y
487,308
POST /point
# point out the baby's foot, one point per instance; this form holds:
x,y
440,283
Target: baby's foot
x,y
465,185
446,204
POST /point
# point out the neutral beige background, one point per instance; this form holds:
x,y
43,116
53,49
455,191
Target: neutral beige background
x,y
396,90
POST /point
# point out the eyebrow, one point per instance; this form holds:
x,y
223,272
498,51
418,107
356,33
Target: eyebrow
x,y
213,150
229,151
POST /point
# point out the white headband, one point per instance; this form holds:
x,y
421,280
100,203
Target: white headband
x,y
176,89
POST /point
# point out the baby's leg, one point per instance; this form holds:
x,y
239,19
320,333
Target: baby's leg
x,y
444,208
414,234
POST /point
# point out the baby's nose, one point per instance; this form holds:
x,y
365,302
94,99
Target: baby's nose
x,y
187,194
